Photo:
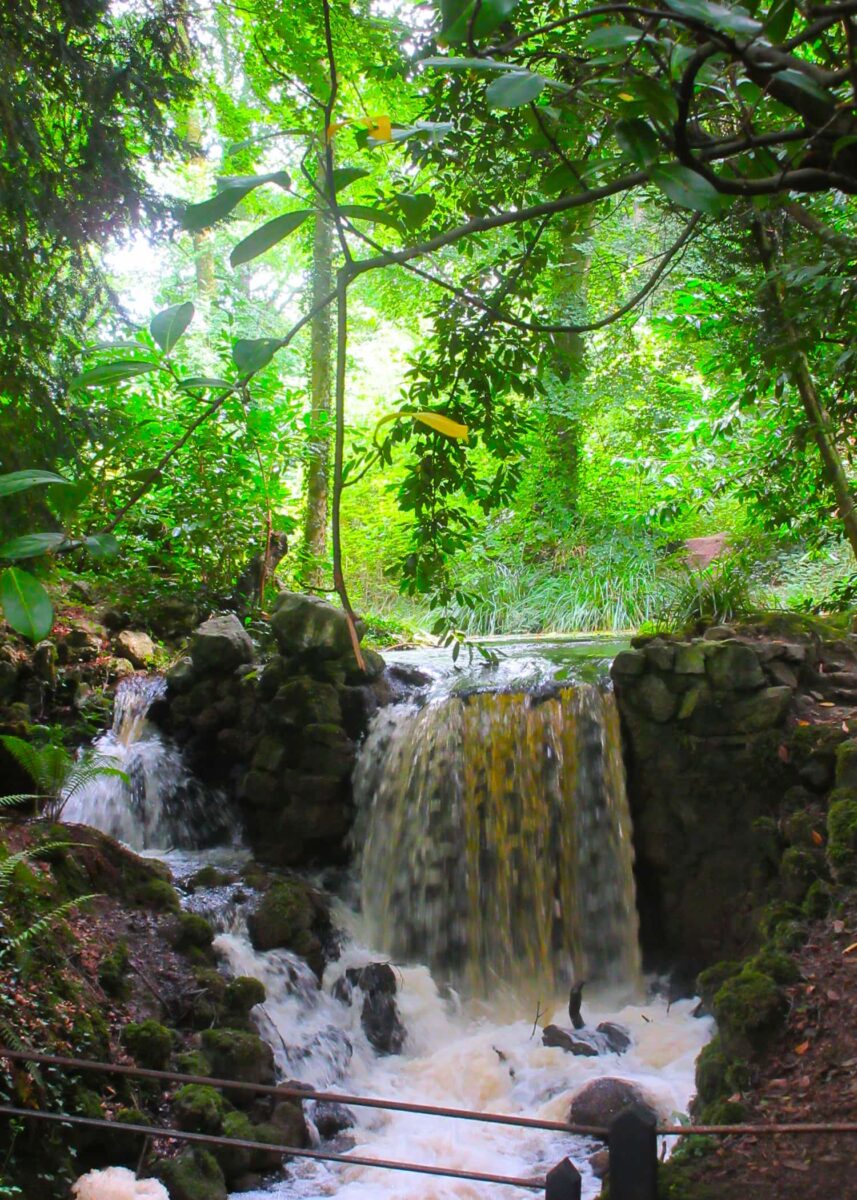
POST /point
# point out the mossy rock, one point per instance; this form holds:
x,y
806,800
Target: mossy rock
x,y
846,764
842,834
817,901
208,1004
243,994
194,1175
159,895
194,1062
238,1160
781,967
150,1043
800,867
710,981
237,1054
210,877
191,932
113,973
198,1108
291,916
747,1008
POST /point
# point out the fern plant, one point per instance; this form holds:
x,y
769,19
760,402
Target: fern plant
x,y
12,938
57,776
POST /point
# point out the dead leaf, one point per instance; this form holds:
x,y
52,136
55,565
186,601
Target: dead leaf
x,y
825,704
783,753
818,840
792,1164
849,949
803,723
802,1048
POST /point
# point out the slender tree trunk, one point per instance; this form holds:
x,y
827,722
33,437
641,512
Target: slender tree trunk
x,y
203,254
819,419
317,487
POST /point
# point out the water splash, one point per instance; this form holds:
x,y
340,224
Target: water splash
x,y
497,841
162,804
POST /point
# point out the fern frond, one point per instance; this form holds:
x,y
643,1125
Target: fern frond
x,y
48,766
13,801
44,922
89,771
14,1042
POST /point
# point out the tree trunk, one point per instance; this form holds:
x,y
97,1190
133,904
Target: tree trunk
x,y
819,419
317,485
203,254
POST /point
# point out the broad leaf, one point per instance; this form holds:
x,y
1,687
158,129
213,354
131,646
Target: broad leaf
x,y
20,481
364,212
468,64
168,326
803,82
687,189
109,373
267,236
25,603
203,381
638,140
717,16
511,91
343,177
441,424
779,19
457,15
608,37
416,207
251,354
232,190
32,545
102,545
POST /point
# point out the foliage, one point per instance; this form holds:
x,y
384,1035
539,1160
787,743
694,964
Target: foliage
x,y
715,595
57,776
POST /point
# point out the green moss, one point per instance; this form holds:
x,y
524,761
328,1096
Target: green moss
x,y
800,867
816,903
781,967
236,1054
242,994
712,979
194,1175
291,915
199,1108
775,914
193,1062
235,1160
150,1043
842,834
159,895
87,1103
191,932
210,877
113,972
208,1002
723,1112
747,1008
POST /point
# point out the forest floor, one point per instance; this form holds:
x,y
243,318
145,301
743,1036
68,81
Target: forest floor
x,y
809,1074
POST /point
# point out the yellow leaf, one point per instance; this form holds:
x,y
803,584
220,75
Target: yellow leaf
x,y
381,129
626,96
442,424
850,949
333,129
817,838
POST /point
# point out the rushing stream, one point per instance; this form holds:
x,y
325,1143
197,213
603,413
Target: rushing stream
x,y
496,869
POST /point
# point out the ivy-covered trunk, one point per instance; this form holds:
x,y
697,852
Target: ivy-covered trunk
x,y
316,491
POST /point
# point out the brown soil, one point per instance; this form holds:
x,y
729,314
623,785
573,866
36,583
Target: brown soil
x,y
809,1074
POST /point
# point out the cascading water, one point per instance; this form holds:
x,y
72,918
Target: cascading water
x,y
497,841
159,804
497,851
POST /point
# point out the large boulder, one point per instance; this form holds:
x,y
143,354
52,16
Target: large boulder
x,y
221,644
600,1100
193,1175
292,916
301,623
136,646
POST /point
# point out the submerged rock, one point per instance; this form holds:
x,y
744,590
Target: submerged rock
x,y
379,1017
608,1038
600,1100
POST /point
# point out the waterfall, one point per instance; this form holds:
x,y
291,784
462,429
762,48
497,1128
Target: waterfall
x,y
497,838
159,804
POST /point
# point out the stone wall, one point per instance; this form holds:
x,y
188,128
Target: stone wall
x,y
728,736
278,732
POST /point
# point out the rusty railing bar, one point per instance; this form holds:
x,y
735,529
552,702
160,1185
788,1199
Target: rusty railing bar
x,y
302,1093
738,1130
153,1131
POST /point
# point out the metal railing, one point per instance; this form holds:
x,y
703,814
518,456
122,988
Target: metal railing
x,y
631,1137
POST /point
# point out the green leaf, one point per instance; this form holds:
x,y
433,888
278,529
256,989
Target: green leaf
x,y
416,207
168,326
232,190
203,381
25,603
638,140
467,64
657,100
20,481
608,37
343,177
102,545
109,373
267,236
717,16
687,189
779,19
511,91
251,354
364,212
32,545
457,13
804,84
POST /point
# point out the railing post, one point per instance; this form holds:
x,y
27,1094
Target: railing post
x,y
563,1182
633,1146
